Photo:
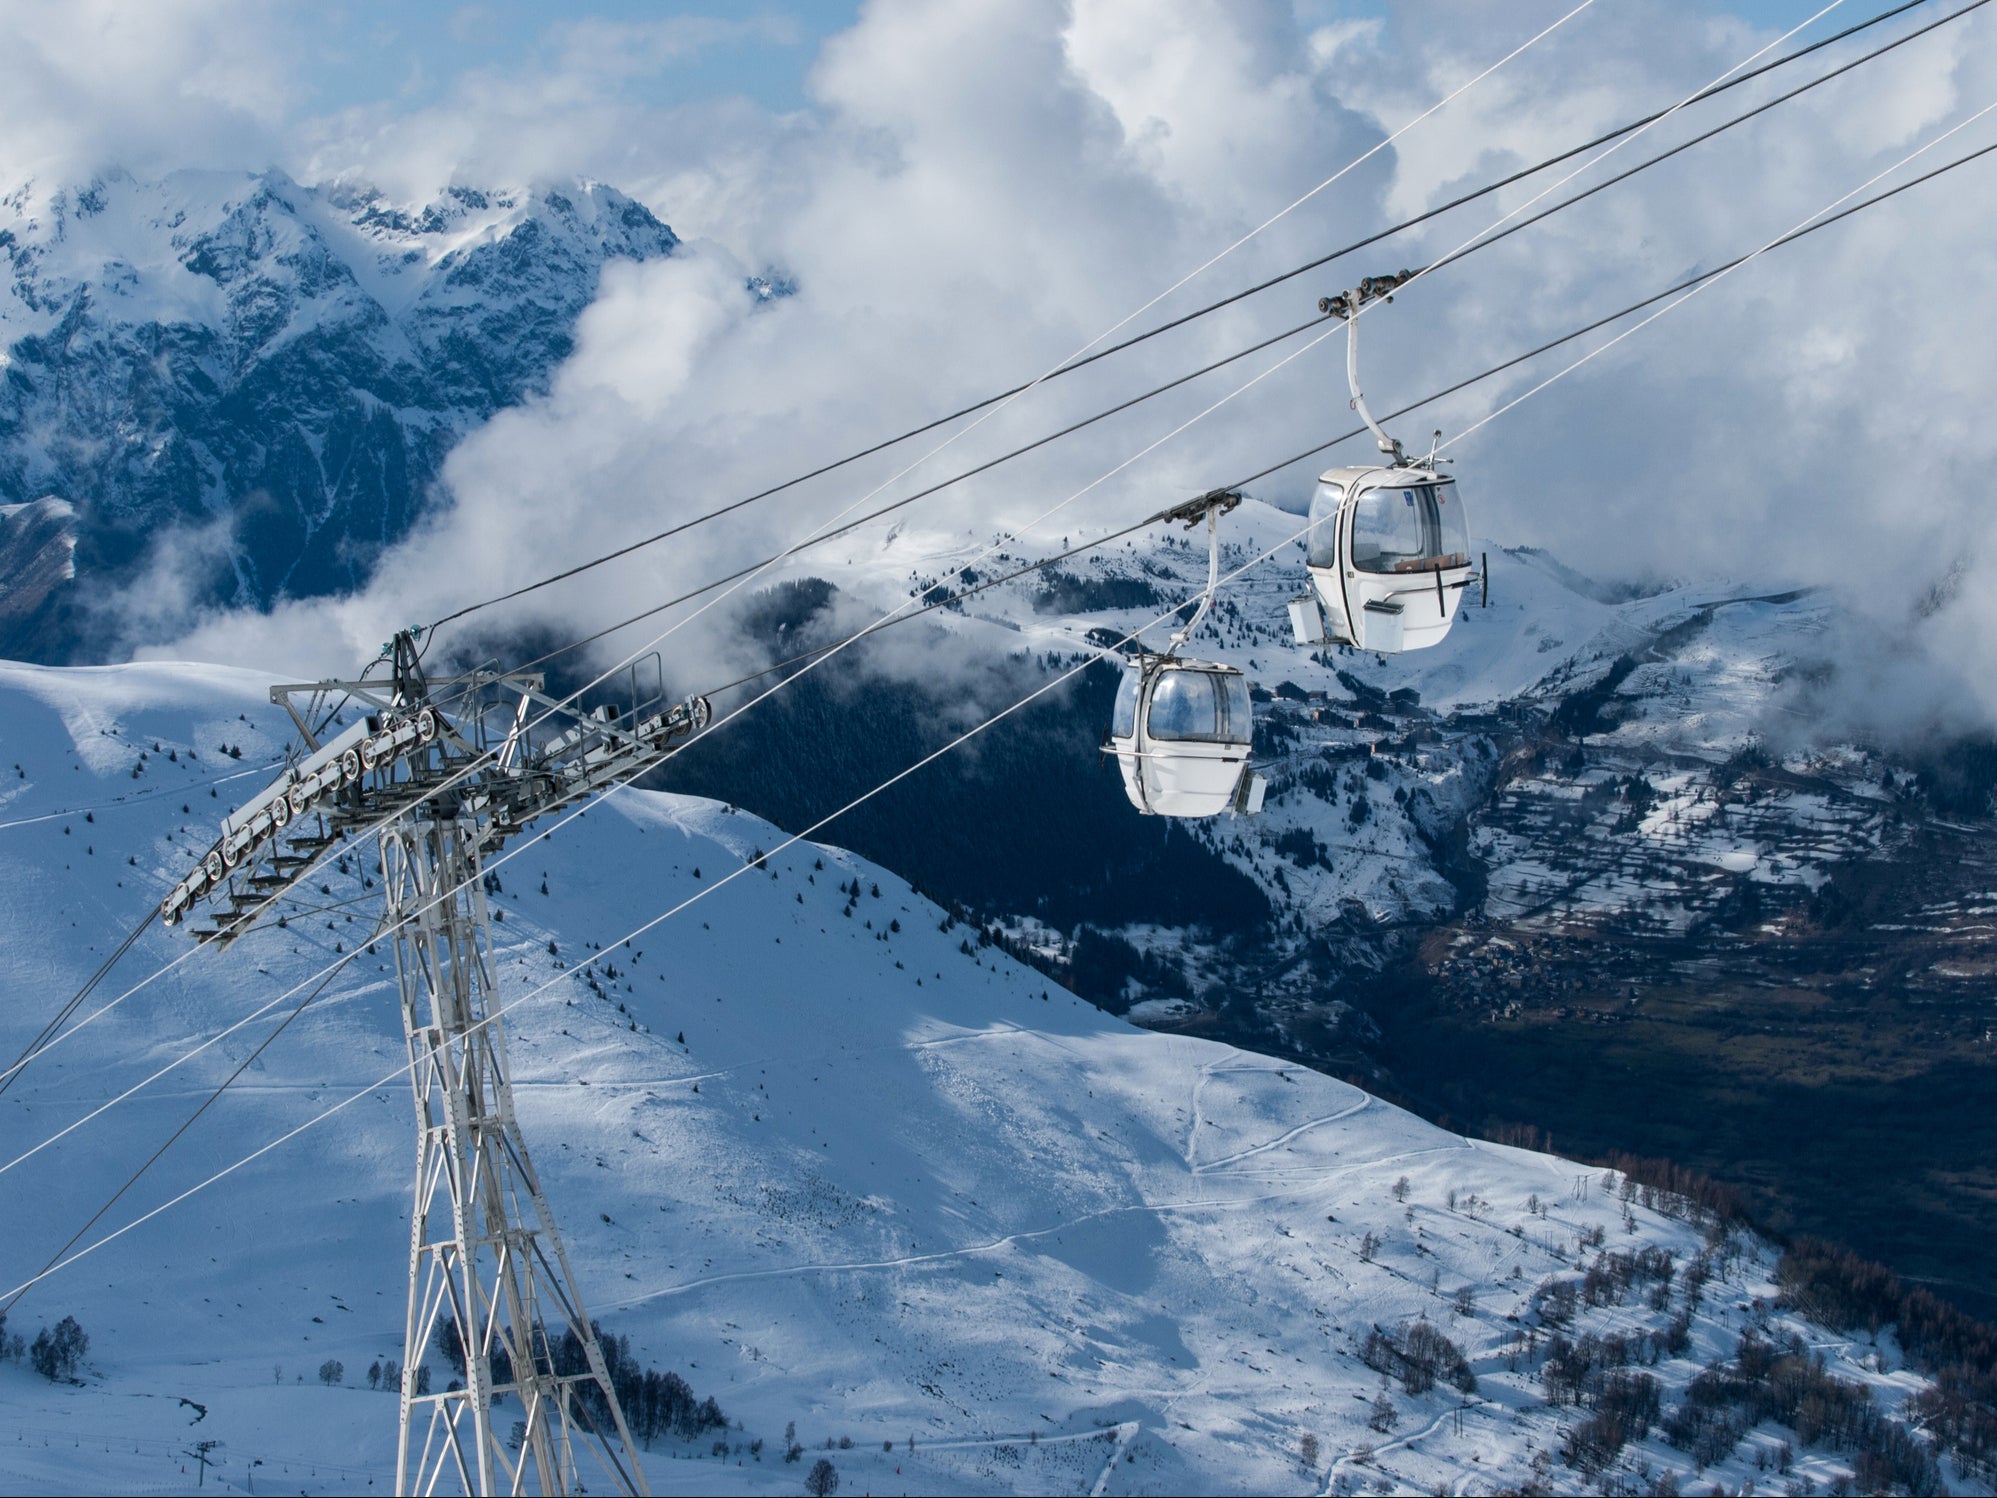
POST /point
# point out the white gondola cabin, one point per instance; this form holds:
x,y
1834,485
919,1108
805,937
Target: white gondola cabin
x,y
1388,556
1181,734
1389,550
1182,730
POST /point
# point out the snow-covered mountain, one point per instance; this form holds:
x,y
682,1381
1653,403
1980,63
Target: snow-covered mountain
x,y
1497,772
263,375
836,1161
1602,864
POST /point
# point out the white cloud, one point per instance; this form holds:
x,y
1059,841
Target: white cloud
x,y
93,84
977,189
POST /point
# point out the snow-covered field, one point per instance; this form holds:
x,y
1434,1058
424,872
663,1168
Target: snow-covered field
x,y
813,1147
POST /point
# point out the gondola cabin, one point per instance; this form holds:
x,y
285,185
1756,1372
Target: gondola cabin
x,y
1181,734
1389,558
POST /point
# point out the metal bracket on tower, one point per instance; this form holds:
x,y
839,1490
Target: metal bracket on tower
x,y
410,687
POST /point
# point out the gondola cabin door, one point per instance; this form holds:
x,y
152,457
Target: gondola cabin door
x,y
1388,556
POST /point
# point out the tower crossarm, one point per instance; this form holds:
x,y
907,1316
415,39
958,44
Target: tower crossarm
x,y
489,742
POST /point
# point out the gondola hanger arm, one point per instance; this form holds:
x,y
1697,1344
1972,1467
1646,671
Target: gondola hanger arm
x,y
1213,514
1348,305
1193,511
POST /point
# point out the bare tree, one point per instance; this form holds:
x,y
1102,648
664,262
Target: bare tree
x,y
822,1481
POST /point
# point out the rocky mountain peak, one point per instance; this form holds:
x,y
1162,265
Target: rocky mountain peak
x,y
282,367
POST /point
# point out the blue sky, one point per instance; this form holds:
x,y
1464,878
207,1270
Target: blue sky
x,y
382,52
379,51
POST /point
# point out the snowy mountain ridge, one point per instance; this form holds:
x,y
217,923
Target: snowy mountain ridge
x,y
881,1181
287,363
1375,763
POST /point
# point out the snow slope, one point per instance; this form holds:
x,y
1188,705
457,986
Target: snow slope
x,y
835,1164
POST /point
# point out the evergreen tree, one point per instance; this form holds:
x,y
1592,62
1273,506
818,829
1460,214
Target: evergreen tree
x,y
56,1354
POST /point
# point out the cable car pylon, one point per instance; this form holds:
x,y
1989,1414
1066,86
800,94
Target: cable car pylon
x,y
443,773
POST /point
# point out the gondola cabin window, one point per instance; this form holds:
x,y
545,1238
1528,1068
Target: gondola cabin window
x,y
1323,548
1411,528
1201,707
1123,721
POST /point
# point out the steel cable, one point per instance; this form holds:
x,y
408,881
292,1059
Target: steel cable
x,y
1462,252
823,651
1073,364
1818,220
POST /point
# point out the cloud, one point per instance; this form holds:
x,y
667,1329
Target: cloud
x,y
93,84
977,190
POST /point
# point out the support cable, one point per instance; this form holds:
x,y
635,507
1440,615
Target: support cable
x,y
1173,384
1357,304
1001,403
325,976
1072,362
173,1138
1069,366
811,655
1602,322
857,522
1489,235
133,797
1259,474
1462,252
1712,279
43,1039
1706,135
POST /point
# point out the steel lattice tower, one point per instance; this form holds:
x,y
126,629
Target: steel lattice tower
x,y
441,783
484,1252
